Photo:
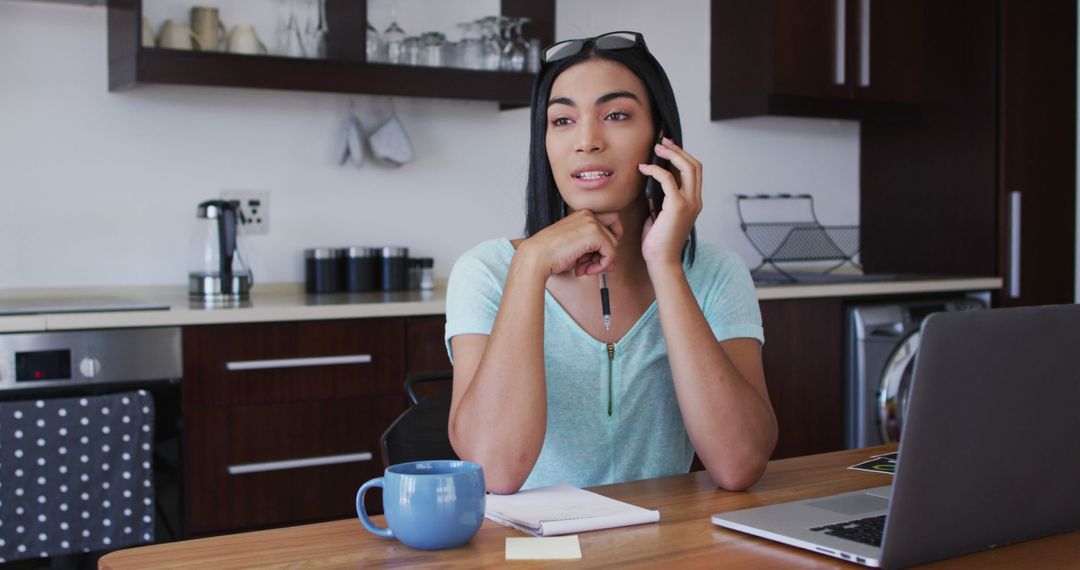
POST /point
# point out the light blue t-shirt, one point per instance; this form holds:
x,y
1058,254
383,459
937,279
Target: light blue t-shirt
x,y
644,436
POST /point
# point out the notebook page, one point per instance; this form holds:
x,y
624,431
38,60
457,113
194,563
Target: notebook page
x,y
563,509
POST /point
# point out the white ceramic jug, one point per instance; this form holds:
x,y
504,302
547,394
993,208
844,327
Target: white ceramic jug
x,y
175,34
208,27
243,39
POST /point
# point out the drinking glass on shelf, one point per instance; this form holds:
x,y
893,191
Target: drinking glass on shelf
x,y
393,38
432,44
411,47
492,43
284,33
506,25
373,48
515,49
532,62
451,54
317,33
290,41
471,47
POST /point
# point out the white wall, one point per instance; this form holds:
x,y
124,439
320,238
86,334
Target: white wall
x,y
100,188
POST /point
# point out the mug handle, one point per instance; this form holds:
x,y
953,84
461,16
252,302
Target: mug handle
x,y
196,42
362,512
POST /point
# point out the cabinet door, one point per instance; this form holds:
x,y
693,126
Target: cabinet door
x,y
425,350
888,55
803,357
810,48
1038,151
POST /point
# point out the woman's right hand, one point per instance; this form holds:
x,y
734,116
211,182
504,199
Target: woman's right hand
x,y
582,241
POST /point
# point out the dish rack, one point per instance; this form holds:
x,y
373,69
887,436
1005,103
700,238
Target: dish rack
x,y
798,241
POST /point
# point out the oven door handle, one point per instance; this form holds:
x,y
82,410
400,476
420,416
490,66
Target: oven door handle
x,y
298,362
297,463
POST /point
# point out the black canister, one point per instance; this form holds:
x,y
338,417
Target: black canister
x,y
321,270
395,268
360,268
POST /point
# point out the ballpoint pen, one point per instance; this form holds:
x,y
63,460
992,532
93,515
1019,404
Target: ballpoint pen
x,y
605,303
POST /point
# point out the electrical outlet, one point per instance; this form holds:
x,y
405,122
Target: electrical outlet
x,y
254,210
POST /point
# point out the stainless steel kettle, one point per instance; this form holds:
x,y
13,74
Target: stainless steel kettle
x,y
217,270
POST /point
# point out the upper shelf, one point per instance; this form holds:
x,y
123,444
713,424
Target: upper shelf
x,y
149,65
345,72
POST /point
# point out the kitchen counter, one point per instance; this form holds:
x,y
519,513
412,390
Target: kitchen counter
x,y
287,302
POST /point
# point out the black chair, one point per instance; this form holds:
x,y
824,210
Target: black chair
x,y
420,433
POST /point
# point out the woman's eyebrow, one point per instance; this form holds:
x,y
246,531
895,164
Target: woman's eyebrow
x,y
616,95
599,100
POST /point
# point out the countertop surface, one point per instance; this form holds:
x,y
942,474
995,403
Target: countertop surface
x,y
287,302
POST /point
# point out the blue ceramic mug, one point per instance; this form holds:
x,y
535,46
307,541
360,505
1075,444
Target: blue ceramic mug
x,y
428,504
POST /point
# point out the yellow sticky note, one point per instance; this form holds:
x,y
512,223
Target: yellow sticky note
x,y
543,548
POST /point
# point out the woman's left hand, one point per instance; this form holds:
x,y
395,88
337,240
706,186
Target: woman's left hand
x,y
662,241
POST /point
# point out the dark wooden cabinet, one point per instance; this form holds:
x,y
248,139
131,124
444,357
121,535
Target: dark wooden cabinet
x,y
424,345
345,71
1037,151
998,120
816,58
282,420
804,371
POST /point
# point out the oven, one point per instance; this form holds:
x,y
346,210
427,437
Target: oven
x,y
90,442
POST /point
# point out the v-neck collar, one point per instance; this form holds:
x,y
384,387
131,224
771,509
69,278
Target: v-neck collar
x,y
578,329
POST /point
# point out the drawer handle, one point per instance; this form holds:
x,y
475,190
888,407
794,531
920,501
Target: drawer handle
x,y
297,463
297,362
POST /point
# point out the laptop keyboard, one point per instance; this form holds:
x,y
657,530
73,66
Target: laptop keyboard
x,y
866,531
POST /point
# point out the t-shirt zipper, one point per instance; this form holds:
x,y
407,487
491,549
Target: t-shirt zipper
x,y
610,369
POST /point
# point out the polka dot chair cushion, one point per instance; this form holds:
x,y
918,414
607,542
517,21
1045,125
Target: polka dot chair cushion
x,y
75,474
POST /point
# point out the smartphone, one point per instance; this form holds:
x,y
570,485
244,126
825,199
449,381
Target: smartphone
x,y
654,194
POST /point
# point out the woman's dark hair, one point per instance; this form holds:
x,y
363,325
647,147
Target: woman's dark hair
x,y
544,205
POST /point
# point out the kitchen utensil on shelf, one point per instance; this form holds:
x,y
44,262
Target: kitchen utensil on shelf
x,y
208,26
217,270
802,240
244,40
175,34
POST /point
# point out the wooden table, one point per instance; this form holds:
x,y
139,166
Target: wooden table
x,y
684,536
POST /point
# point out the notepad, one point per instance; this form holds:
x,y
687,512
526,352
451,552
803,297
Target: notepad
x,y
563,509
543,548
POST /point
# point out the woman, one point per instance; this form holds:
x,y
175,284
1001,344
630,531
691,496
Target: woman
x,y
545,393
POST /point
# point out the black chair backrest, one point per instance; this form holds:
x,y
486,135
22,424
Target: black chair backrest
x,y
421,432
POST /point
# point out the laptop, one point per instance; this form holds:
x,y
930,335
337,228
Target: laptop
x,y
989,454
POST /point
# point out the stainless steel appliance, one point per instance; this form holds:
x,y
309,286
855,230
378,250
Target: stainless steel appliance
x,y
881,342
218,272
38,370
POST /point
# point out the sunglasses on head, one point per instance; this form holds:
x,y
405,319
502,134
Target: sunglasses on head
x,y
611,41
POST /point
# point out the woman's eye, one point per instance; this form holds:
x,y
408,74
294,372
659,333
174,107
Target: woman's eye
x,y
560,121
618,116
